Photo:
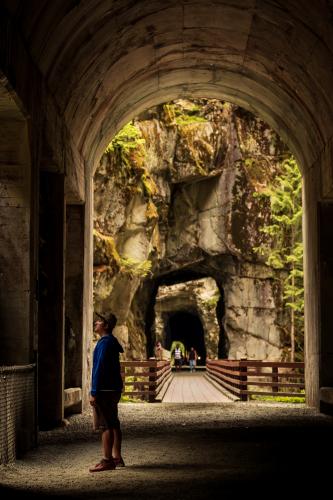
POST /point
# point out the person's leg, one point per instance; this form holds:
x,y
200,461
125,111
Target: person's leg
x,y
107,462
116,452
107,443
100,422
117,439
117,434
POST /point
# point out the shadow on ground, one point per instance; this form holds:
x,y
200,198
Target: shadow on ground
x,y
184,453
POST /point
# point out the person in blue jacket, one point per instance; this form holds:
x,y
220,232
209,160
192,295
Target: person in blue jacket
x,y
106,388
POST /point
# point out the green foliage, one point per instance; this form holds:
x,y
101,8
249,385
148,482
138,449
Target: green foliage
x,y
129,137
130,399
189,119
149,187
169,113
127,265
136,267
108,245
176,115
283,248
213,300
128,149
279,399
130,388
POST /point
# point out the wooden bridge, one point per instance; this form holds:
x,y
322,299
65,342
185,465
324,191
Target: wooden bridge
x,y
186,387
220,381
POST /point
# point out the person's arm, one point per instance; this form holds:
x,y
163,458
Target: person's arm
x,y
97,367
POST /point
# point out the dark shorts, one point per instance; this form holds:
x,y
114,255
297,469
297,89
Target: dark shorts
x,y
178,362
105,412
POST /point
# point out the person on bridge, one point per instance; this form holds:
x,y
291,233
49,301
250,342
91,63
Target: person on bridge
x,y
106,388
178,357
192,356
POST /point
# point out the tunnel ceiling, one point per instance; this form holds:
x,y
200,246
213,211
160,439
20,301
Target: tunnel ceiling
x,y
105,61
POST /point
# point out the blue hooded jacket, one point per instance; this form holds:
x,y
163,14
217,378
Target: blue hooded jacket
x,y
106,365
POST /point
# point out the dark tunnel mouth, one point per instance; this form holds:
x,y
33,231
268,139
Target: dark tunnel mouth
x,y
175,278
186,327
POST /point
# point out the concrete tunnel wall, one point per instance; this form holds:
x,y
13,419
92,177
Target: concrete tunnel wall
x,y
82,70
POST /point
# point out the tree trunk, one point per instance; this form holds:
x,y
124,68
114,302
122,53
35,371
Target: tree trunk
x,y
292,326
292,336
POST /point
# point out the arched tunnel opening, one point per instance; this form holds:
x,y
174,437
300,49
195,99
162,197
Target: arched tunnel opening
x,y
169,234
187,328
293,95
165,324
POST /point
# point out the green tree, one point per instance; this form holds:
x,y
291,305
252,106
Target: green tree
x,y
283,248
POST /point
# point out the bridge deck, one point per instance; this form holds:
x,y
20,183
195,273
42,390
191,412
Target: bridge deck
x,y
194,387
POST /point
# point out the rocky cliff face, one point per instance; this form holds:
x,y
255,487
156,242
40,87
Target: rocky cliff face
x,y
173,203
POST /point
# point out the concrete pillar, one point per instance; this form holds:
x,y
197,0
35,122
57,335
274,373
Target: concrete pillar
x,y
15,238
326,295
74,295
311,285
51,300
87,292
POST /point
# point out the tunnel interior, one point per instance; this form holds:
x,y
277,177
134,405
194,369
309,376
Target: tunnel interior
x,y
187,328
272,57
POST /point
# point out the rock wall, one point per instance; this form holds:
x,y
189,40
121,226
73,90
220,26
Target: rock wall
x,y
174,193
255,321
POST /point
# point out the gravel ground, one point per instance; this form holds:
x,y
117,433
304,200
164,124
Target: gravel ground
x,y
181,451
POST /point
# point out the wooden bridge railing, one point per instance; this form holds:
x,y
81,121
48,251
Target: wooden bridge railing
x,y
145,379
244,378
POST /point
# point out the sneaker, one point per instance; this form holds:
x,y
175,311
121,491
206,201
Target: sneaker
x,y
103,465
119,462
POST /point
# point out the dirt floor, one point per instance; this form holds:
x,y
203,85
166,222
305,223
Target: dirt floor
x,y
183,451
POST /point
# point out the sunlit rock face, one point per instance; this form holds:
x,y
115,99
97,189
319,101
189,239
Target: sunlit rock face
x,y
177,194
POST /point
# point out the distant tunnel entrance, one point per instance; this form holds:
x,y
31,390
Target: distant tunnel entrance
x,y
187,328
